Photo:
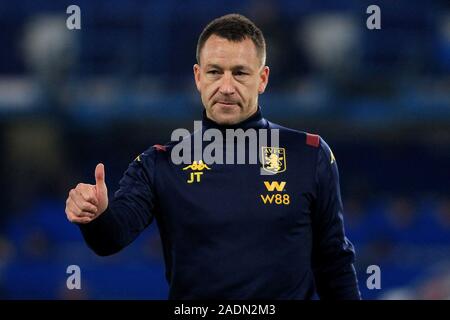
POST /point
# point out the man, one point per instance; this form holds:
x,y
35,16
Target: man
x,y
227,230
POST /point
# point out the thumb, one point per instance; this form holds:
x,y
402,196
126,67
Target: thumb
x,y
100,175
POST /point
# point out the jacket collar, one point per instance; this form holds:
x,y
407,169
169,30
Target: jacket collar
x,y
255,121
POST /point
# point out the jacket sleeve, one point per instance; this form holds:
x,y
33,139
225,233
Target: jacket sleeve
x,y
333,254
129,212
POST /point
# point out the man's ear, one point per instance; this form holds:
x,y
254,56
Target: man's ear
x,y
264,77
196,69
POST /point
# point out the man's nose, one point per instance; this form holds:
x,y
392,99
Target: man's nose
x,y
227,84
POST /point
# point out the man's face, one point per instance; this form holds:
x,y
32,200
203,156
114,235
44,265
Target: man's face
x,y
229,79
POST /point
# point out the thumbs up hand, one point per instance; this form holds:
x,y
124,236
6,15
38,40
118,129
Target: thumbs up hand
x,y
86,201
100,188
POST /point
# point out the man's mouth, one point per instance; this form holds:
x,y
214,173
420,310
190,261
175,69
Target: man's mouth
x,y
227,103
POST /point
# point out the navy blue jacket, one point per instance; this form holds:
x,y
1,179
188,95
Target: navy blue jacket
x,y
237,234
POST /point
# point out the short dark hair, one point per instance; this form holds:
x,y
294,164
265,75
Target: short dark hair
x,y
234,27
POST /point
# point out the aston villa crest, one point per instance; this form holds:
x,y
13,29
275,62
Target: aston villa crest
x,y
273,159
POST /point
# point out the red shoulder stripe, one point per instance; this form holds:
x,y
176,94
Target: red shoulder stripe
x,y
159,147
312,140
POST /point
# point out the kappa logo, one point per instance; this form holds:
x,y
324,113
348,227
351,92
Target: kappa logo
x,y
332,158
198,167
273,159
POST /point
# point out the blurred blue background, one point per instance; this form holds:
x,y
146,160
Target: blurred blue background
x,y
70,99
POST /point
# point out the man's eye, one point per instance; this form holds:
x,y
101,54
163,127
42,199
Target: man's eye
x,y
240,73
213,72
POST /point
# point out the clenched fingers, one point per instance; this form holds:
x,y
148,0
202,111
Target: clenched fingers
x,y
87,192
79,200
83,210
